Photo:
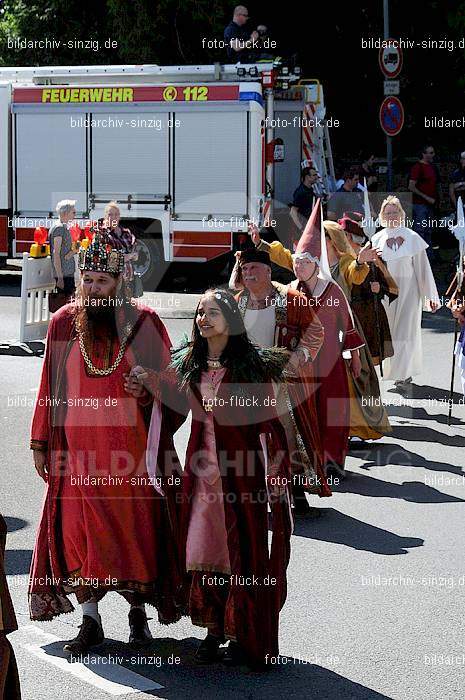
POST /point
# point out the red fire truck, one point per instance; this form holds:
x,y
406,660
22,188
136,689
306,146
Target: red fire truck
x,y
190,153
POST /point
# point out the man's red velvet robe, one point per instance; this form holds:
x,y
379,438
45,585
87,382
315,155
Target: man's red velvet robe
x,y
149,347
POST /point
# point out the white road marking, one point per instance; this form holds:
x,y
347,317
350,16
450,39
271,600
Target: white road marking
x,y
98,671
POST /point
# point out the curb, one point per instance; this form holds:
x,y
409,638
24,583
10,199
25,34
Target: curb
x,y
180,313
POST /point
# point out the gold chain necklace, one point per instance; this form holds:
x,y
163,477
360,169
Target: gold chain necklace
x,y
97,370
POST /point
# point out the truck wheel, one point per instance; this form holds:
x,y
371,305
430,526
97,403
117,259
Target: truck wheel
x,y
150,264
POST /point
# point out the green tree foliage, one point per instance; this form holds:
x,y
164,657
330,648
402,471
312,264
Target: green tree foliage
x,y
164,32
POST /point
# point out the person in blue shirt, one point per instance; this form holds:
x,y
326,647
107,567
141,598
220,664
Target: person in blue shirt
x,y
240,41
302,203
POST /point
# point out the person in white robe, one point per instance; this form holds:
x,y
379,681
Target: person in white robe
x,y
404,253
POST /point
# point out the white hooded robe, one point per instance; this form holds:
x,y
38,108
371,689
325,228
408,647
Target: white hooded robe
x,y
409,265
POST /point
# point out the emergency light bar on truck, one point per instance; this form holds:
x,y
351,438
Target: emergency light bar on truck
x,y
189,152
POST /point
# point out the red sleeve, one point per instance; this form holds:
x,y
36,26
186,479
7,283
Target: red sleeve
x,y
165,342
415,173
175,402
351,340
269,424
40,418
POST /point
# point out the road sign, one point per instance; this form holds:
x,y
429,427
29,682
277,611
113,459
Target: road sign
x,y
391,116
391,87
390,58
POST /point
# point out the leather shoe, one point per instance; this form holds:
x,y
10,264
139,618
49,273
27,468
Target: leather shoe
x,y
139,633
90,635
209,650
233,655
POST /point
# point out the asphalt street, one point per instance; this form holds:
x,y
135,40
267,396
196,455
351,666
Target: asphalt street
x,y
375,603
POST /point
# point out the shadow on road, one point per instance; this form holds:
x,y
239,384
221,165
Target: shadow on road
x,y
439,322
17,561
387,454
288,676
418,413
419,392
410,491
339,528
420,433
14,524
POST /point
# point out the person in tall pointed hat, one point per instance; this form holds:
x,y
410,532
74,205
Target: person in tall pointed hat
x,y
368,417
314,280
106,524
366,297
276,315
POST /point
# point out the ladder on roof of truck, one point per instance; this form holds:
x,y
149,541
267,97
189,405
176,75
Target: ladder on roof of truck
x,y
215,72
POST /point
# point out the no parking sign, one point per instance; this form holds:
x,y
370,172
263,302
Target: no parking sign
x,y
391,116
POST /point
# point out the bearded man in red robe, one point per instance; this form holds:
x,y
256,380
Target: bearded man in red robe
x,y
109,517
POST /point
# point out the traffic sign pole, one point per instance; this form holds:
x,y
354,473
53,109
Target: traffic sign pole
x,y
388,138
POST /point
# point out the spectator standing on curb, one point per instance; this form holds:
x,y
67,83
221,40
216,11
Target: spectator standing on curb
x,y
62,251
238,38
424,184
457,182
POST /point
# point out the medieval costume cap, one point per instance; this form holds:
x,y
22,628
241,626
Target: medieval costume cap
x,y
352,225
101,256
250,255
338,237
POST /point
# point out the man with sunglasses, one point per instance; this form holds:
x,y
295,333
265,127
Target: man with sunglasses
x,y
238,38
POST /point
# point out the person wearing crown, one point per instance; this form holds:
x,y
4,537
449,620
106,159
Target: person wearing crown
x,y
110,517
404,253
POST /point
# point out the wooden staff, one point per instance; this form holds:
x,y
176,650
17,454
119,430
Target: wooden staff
x,y
377,324
458,281
452,374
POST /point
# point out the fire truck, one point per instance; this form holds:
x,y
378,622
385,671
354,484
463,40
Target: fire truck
x,y
189,153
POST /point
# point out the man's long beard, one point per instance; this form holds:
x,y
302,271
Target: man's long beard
x,y
94,318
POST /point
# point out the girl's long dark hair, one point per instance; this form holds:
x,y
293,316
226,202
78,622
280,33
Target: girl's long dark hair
x,y
240,355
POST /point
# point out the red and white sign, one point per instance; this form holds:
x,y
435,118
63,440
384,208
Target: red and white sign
x,y
169,93
390,58
391,116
